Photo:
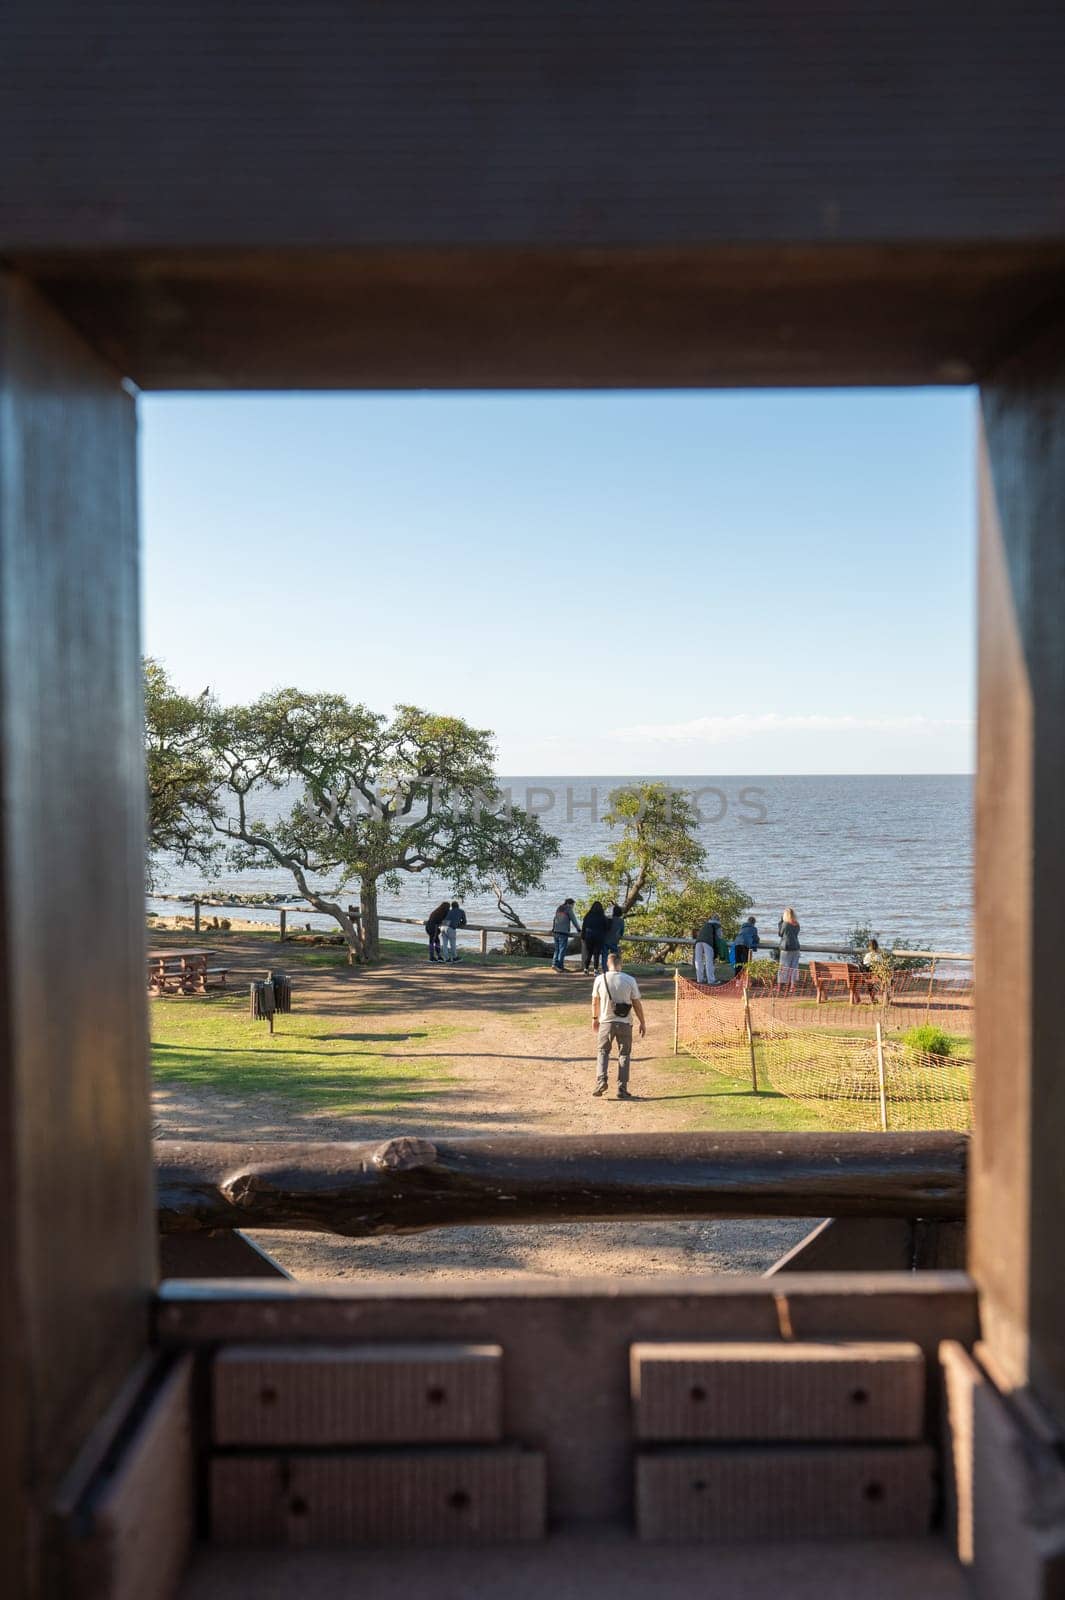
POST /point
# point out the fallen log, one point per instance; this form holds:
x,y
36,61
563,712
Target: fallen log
x,y
407,1185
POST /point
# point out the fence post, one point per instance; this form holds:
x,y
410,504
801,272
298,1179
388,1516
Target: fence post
x,y
283,935
195,916
676,1011
931,981
748,1029
880,1077
484,941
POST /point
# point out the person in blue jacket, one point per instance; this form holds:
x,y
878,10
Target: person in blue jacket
x,y
747,942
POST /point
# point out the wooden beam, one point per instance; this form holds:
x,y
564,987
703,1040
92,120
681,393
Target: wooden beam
x,y
1018,1197
77,1238
405,1185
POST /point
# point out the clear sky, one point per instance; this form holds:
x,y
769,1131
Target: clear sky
x,y
615,584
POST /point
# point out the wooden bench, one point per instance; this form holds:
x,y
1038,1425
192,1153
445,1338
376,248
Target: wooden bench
x,y
838,973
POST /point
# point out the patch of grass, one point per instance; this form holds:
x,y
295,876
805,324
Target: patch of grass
x,y
324,1063
721,1100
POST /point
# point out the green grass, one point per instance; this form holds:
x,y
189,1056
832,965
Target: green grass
x,y
730,1103
325,1063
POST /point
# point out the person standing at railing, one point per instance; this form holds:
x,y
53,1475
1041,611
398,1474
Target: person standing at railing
x,y
615,932
708,941
433,924
454,919
747,942
788,970
593,932
563,924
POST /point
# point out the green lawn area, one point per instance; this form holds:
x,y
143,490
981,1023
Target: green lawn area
x,y
325,1063
720,1100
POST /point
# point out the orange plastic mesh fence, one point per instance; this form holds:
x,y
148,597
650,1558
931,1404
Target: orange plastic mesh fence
x,y
825,1054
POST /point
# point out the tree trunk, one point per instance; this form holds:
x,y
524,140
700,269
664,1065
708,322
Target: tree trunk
x,y
371,925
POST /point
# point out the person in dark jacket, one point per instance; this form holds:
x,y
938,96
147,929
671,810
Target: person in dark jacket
x,y
593,932
747,942
788,970
564,919
708,940
615,932
453,921
433,923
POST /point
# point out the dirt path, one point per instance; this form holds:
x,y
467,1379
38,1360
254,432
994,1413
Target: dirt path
x,y
518,1050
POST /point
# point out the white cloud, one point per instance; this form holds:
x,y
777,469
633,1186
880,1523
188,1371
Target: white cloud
x,y
746,725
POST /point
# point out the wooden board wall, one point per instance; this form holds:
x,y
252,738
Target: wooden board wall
x,y
76,1223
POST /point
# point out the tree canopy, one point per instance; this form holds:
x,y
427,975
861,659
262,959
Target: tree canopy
x,y
378,797
180,774
652,870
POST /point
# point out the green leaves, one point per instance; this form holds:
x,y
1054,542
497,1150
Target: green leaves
x,y
652,870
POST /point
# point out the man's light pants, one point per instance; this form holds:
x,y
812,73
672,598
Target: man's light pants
x,y
608,1032
704,964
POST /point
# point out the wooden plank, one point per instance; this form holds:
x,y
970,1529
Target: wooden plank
x,y
363,1394
590,1564
401,1497
1005,1490
852,1244
373,124
461,317
1019,1177
788,1390
405,1185
135,1532
77,1234
566,1345
870,1492
225,1254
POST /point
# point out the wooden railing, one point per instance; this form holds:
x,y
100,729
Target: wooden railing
x,y
407,1185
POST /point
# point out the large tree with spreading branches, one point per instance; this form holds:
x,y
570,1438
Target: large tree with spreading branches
x,y
378,797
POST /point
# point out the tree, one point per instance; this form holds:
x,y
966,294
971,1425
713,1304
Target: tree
x,y
652,870
379,798
657,850
180,773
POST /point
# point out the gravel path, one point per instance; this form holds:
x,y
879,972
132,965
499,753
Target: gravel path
x,y
520,1058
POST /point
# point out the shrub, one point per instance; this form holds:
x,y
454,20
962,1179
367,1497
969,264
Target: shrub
x,y
928,1040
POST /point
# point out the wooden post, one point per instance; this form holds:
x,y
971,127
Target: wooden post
x,y
931,980
880,1076
484,941
748,1029
676,1012
196,915
283,934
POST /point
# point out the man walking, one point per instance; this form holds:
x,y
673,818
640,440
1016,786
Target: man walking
x,y
453,921
564,922
615,996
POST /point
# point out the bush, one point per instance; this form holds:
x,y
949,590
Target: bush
x,y
928,1040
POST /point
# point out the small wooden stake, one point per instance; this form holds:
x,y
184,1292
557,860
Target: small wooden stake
x,y
195,916
676,1012
284,926
880,1076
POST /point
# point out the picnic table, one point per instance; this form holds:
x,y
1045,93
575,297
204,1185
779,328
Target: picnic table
x,y
183,971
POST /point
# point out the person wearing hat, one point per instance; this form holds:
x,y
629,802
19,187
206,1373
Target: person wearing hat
x,y
747,942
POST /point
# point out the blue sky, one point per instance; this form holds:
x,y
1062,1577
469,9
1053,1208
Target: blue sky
x,y
716,583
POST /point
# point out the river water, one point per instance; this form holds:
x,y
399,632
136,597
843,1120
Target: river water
x,y
891,852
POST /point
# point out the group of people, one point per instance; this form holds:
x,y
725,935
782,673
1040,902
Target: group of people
x,y
711,946
600,934
442,926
